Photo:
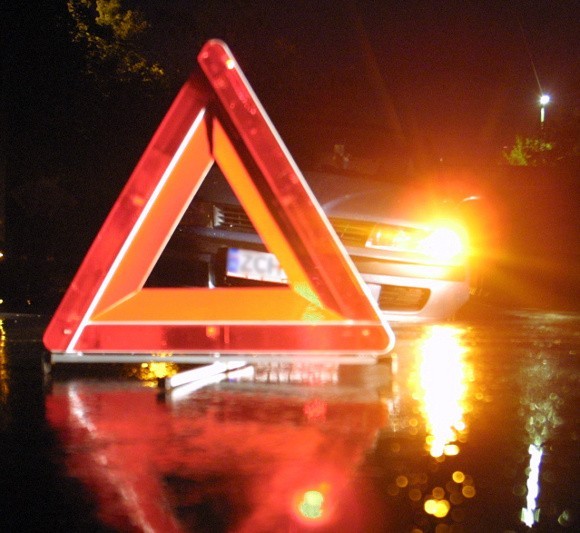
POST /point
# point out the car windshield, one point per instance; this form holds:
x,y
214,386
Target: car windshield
x,y
369,152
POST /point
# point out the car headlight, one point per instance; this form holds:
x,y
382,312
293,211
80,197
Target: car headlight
x,y
444,242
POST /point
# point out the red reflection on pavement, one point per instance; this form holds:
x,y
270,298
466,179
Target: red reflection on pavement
x,y
221,459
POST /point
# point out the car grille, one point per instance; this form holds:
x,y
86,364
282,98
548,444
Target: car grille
x,y
394,298
234,218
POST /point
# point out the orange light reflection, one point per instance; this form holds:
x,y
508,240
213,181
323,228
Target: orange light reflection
x,y
440,384
4,379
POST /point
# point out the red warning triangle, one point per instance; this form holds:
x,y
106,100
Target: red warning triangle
x,y
325,307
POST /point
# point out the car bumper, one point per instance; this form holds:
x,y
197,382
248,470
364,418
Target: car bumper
x,y
404,291
416,299
414,292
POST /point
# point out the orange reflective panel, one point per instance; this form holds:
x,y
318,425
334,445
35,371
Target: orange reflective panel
x,y
325,307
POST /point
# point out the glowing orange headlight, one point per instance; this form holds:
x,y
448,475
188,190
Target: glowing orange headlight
x,y
444,242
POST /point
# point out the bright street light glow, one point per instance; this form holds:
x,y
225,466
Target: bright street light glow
x,y
544,101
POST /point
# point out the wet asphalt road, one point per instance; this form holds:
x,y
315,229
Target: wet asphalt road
x,y
470,426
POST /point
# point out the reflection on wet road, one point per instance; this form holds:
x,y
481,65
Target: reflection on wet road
x,y
439,383
268,452
469,427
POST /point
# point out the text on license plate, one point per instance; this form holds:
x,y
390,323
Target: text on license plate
x,y
258,266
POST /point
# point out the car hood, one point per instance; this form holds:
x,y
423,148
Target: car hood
x,y
352,197
374,201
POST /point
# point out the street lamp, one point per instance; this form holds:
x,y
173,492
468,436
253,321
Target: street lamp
x,y
544,101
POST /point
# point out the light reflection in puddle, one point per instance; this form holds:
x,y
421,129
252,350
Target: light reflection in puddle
x,y
277,449
539,414
440,384
432,394
4,379
152,372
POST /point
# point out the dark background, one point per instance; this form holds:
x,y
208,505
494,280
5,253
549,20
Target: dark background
x,y
431,88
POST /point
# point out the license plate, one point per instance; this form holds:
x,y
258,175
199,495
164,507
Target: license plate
x,y
253,265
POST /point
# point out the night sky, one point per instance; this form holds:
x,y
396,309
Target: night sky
x,y
457,78
447,81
